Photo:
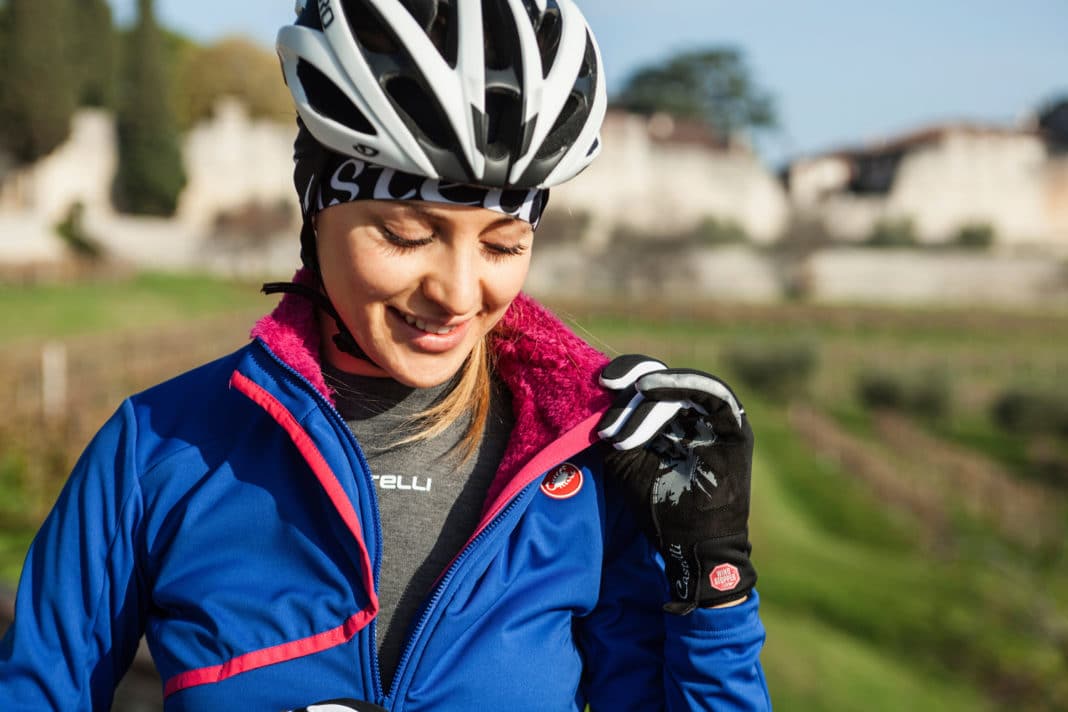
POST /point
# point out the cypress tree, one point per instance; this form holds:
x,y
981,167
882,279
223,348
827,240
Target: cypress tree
x,y
150,174
38,92
93,52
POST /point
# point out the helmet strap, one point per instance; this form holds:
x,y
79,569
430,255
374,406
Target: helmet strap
x,y
343,339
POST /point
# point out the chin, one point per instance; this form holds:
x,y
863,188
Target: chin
x,y
424,376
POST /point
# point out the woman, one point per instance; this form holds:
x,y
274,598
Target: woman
x,y
395,494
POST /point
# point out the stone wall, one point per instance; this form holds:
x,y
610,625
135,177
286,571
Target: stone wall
x,y
79,170
904,277
666,187
232,160
915,277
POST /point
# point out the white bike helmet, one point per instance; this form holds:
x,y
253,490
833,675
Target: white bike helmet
x,y
495,93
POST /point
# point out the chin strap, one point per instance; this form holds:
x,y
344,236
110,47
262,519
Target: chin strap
x,y
343,339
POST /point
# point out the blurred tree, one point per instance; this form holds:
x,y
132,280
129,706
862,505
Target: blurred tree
x,y
893,232
975,236
150,173
38,93
93,52
231,67
713,85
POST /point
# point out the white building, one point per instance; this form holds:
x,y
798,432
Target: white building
x,y
942,179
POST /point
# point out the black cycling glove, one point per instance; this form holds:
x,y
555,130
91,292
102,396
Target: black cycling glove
x,y
683,449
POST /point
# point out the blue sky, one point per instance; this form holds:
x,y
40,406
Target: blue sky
x,y
843,71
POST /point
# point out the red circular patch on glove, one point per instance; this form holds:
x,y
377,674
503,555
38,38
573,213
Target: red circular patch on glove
x,y
724,577
563,483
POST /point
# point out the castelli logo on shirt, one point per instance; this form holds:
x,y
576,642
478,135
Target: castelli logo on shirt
x,y
724,577
563,483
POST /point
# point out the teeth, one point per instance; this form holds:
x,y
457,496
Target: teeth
x,y
424,326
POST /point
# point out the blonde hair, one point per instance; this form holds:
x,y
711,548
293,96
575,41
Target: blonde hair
x,y
470,397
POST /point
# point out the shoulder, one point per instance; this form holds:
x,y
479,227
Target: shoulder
x,y
194,413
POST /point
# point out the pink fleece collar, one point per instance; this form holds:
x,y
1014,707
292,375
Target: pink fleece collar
x,y
551,373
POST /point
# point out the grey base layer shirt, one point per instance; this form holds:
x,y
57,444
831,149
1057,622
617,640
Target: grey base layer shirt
x,y
430,502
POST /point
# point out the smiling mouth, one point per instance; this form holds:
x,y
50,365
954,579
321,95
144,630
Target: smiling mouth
x,y
427,326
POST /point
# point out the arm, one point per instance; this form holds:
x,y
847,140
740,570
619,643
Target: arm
x,y
640,658
712,659
79,612
682,454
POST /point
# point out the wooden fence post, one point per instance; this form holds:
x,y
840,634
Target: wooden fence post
x,y
54,380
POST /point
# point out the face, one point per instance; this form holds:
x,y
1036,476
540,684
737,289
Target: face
x,y
418,284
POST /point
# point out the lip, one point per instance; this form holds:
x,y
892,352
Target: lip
x,y
426,341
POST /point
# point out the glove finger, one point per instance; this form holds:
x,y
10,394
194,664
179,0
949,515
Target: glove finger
x,y
701,389
624,370
645,423
620,411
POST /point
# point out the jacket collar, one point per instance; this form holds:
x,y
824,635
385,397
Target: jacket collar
x,y
551,373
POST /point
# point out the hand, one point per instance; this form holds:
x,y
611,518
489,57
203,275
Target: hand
x,y
683,450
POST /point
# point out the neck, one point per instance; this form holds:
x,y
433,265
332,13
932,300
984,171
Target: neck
x,y
338,358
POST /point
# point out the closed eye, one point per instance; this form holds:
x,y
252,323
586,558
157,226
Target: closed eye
x,y
497,251
404,243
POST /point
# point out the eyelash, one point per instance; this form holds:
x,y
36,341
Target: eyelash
x,y
403,245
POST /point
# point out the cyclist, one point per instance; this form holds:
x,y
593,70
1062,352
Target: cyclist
x,y
414,488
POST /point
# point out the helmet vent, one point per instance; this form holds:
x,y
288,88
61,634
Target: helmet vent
x,y
367,26
424,11
421,111
443,32
504,123
589,62
329,101
566,129
549,34
499,33
576,110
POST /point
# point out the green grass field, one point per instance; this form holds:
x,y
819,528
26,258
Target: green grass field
x,y
868,604
144,300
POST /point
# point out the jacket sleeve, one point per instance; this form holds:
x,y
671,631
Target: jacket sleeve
x,y
638,657
79,612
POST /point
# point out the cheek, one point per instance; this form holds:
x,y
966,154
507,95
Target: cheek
x,y
506,282
363,275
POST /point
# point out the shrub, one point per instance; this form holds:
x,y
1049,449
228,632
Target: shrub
x,y
777,370
712,232
1048,461
1022,410
893,232
926,393
881,390
72,231
975,236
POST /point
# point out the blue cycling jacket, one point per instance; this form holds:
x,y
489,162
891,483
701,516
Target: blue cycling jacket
x,y
229,516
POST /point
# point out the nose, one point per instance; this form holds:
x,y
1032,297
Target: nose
x,y
453,281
